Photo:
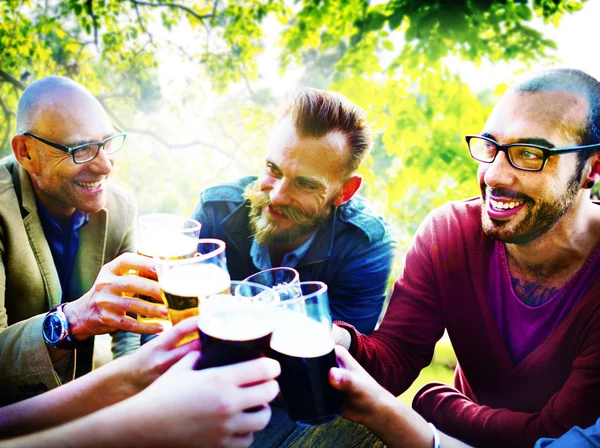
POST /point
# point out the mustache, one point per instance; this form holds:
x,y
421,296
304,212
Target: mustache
x,y
505,193
259,200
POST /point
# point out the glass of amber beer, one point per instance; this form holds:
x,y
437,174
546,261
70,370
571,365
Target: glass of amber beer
x,y
184,281
285,281
166,236
303,345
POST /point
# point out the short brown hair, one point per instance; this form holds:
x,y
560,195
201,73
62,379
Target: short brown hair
x,y
315,113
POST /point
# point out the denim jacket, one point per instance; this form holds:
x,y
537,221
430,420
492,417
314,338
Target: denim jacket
x,y
352,252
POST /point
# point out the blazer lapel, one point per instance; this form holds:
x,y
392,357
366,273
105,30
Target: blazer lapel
x,y
89,258
37,239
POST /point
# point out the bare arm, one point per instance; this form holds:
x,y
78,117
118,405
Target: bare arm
x,y
114,382
183,407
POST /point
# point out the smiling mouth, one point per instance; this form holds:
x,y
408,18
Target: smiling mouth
x,y
504,205
90,185
274,212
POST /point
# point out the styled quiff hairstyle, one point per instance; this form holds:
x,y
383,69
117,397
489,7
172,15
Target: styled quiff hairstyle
x,y
315,113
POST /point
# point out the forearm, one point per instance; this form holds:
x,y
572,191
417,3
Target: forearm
x,y
96,390
108,427
398,426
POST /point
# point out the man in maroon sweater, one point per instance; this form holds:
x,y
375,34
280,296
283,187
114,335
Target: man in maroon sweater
x,y
513,276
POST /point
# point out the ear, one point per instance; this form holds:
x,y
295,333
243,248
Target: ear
x,y
348,190
595,168
25,153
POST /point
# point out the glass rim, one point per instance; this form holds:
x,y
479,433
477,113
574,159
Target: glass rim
x,y
198,257
196,224
281,268
322,288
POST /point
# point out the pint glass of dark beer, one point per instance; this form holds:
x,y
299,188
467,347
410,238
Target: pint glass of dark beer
x,y
303,345
236,325
185,281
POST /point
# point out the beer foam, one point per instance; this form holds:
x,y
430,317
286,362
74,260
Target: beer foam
x,y
167,245
243,324
195,280
295,334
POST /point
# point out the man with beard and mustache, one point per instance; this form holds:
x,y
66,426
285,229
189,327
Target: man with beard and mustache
x,y
302,211
513,277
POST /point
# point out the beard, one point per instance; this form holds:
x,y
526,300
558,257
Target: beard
x,y
265,229
541,216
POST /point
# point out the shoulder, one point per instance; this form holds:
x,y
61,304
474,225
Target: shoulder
x,y
119,196
454,223
121,205
465,212
6,177
228,192
357,213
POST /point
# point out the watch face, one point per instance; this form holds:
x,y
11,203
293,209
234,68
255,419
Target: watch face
x,y
53,328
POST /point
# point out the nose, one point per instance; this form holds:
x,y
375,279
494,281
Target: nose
x,y
279,193
499,173
102,163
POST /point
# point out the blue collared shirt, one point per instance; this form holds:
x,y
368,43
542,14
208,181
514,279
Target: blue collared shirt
x,y
63,243
262,259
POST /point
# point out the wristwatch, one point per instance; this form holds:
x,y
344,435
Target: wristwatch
x,y
55,329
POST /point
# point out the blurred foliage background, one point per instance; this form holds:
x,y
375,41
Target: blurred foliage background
x,y
198,84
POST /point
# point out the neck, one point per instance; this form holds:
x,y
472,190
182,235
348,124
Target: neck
x,y
59,213
278,251
561,251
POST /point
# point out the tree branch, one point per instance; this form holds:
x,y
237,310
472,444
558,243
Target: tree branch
x,y
7,119
170,146
6,77
141,22
190,11
90,10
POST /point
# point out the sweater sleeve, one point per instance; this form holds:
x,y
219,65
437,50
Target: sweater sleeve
x,y
576,403
403,345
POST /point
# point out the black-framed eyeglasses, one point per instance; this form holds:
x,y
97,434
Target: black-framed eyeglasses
x,y
522,156
88,151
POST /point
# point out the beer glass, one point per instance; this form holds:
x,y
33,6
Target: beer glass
x,y
285,281
167,236
236,325
303,345
184,281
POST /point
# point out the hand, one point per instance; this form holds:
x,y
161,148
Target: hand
x,y
365,398
341,336
153,359
103,308
205,408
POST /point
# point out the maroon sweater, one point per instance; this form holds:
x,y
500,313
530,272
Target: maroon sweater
x,y
493,402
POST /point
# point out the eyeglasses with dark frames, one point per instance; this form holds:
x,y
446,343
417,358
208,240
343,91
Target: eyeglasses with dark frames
x,y
87,151
522,156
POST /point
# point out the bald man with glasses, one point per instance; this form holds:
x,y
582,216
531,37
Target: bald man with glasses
x,y
513,276
64,233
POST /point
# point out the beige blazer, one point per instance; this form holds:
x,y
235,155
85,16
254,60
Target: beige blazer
x,y
30,286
